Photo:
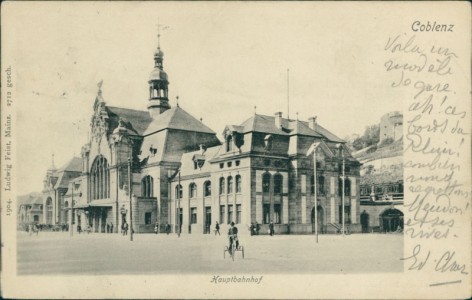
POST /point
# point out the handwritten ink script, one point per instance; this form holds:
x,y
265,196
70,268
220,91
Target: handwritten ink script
x,y
425,72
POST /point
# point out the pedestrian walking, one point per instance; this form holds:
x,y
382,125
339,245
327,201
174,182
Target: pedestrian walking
x,y
271,228
108,227
257,228
111,227
167,228
252,229
156,228
217,228
125,228
79,229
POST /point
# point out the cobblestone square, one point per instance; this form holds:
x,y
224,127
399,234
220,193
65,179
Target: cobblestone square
x,y
100,254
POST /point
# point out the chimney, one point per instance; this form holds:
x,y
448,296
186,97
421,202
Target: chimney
x,y
312,123
278,120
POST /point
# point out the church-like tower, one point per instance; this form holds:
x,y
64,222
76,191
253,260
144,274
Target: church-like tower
x,y
158,86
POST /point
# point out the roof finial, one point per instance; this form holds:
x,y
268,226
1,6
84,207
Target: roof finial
x,y
100,87
288,94
52,162
177,97
255,109
158,34
297,115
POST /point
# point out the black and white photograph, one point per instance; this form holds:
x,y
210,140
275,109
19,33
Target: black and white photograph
x,y
236,150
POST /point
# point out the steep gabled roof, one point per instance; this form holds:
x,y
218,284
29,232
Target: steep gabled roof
x,y
136,120
177,118
266,124
67,172
73,165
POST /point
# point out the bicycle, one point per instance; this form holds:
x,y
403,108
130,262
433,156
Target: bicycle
x,y
233,250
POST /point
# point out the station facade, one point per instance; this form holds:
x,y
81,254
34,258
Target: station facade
x,y
163,166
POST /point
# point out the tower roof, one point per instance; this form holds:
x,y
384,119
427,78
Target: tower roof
x,y
158,74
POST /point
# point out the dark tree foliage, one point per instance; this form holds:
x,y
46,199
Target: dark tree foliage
x,y
370,137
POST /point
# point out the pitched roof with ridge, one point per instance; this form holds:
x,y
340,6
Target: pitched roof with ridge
x,y
266,124
136,120
177,118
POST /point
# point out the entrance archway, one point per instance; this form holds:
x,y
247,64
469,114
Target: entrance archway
x,y
391,219
320,219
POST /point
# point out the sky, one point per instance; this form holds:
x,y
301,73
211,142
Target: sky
x,y
222,60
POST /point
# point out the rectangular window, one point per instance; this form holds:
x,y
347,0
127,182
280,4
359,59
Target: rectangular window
x,y
147,218
277,214
222,214
238,213
193,215
266,213
222,165
237,163
230,214
347,214
229,164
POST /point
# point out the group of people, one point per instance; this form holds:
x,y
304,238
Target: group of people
x,y
87,229
167,228
110,227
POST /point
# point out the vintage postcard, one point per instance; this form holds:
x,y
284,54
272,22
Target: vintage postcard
x,y
306,150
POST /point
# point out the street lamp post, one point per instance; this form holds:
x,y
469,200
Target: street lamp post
x,y
179,192
313,149
71,212
343,177
130,190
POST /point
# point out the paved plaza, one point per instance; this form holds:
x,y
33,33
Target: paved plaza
x,y
58,253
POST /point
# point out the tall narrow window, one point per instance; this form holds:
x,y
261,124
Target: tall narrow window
x,y
278,181
347,187
266,183
147,186
222,214
266,213
178,191
100,178
230,214
321,185
238,183
230,185
238,213
192,190
277,214
229,143
222,185
193,215
207,187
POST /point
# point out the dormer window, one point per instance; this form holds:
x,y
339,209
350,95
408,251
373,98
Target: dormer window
x,y
229,143
268,141
152,150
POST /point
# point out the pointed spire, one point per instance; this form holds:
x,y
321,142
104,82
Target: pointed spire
x,y
177,97
255,109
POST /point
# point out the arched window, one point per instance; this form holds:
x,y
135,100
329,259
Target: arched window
x,y
229,143
192,190
222,185
178,191
100,179
207,188
147,186
278,181
238,183
312,184
266,183
230,184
